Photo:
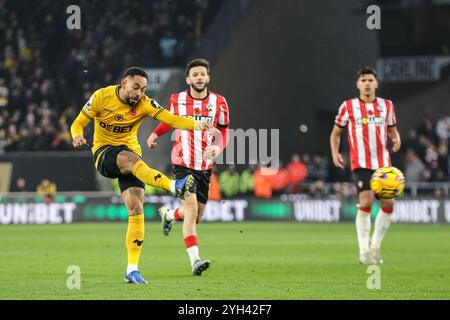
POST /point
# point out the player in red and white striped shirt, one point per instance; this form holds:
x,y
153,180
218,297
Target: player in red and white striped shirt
x,y
193,154
369,120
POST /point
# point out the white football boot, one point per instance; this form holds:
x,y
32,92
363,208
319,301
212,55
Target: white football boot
x,y
366,258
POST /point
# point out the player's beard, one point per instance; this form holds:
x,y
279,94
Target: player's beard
x,y
197,89
130,102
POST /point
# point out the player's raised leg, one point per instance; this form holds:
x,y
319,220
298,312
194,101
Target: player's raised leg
x,y
168,217
363,225
382,224
134,202
130,163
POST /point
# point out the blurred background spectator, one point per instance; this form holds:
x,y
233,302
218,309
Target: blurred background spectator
x,y
246,182
214,186
47,189
48,72
280,180
20,185
297,173
229,181
415,169
262,182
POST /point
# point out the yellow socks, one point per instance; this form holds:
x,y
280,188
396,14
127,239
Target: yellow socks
x,y
152,177
134,240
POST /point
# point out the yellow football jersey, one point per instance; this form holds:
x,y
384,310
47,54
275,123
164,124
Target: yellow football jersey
x,y
117,123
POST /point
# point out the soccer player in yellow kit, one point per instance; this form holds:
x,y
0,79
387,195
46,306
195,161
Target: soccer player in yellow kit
x,y
118,111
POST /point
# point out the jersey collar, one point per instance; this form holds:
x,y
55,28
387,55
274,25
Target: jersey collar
x,y
118,95
189,94
374,101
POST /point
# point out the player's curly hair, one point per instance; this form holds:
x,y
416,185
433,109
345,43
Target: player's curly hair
x,y
197,63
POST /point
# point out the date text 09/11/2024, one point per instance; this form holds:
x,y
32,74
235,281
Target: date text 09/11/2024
x,y
226,309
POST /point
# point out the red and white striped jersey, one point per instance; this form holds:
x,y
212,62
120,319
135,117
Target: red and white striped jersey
x,y
367,131
189,146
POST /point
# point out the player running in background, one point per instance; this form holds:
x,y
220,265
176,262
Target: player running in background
x,y
118,111
193,153
370,121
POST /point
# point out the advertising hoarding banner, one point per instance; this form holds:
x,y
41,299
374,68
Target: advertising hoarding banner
x,y
102,209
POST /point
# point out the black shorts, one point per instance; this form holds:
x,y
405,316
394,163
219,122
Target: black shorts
x,y
361,177
107,166
202,178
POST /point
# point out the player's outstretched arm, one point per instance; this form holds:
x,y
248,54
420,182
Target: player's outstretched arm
x,y
77,128
335,142
179,122
394,135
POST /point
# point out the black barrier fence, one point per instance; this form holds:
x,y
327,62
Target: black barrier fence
x,y
68,170
82,208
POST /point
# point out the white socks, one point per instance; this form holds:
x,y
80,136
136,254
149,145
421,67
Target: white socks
x,y
193,254
172,186
363,231
170,215
382,223
131,268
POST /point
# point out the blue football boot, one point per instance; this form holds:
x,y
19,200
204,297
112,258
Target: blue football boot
x,y
135,277
183,187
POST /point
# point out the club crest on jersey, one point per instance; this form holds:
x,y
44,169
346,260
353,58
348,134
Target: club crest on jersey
x,y
118,117
209,106
88,104
197,112
155,104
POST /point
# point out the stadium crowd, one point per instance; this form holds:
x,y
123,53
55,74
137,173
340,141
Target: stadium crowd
x,y
46,72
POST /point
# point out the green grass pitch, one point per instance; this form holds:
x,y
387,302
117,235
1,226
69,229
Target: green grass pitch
x,y
251,260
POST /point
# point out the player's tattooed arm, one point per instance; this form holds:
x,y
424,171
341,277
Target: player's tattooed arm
x,y
179,122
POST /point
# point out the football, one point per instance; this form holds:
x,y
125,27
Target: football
x,y
387,182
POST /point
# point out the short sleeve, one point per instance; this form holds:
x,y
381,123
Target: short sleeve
x,y
224,119
391,119
172,104
93,106
342,116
